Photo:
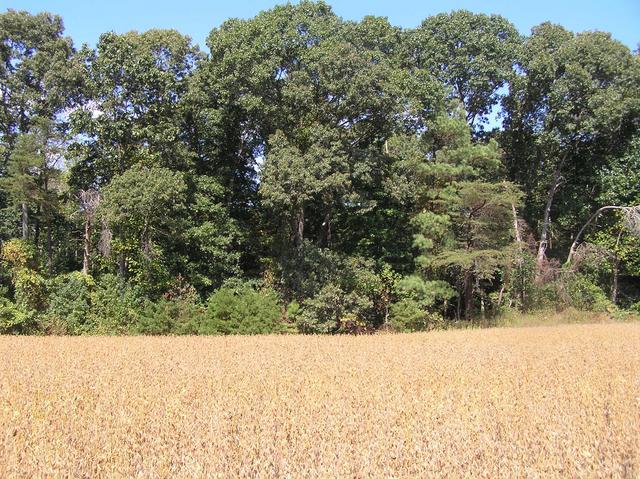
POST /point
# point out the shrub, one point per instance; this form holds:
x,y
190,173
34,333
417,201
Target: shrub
x,y
30,290
19,254
15,320
418,305
408,315
179,311
29,286
240,308
69,304
115,306
167,316
579,292
332,310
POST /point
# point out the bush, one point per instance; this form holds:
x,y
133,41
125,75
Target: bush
x,y
69,304
240,308
408,315
166,316
585,295
30,290
179,311
332,310
115,307
418,305
19,254
29,286
15,320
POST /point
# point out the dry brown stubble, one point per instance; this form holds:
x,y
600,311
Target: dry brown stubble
x,y
559,401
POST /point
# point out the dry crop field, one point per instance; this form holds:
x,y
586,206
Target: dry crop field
x,y
561,401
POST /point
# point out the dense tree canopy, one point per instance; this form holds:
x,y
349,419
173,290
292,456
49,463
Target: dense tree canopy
x,y
313,174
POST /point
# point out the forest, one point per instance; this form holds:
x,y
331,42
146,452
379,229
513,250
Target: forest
x,y
312,174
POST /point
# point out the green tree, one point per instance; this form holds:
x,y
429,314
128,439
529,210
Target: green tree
x,y
241,308
136,83
574,101
39,76
142,206
34,181
464,221
473,54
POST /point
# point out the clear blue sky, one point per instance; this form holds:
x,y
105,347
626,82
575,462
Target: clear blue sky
x,y
85,20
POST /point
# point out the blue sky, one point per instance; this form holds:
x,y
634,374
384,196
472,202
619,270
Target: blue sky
x,y
85,20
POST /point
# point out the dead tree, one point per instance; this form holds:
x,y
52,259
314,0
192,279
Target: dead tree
x,y
632,219
89,201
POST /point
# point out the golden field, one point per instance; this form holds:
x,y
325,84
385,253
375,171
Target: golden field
x,y
560,401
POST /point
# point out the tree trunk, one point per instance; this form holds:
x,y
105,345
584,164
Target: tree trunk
x,y
546,221
298,233
500,296
326,225
616,271
89,201
468,294
516,226
49,248
481,294
146,242
25,221
614,284
86,255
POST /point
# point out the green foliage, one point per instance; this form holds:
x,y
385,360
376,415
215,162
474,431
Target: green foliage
x,y
19,254
333,310
571,291
473,54
570,107
16,320
408,315
69,310
141,205
519,280
115,307
579,292
341,172
30,289
165,317
240,308
179,311
420,304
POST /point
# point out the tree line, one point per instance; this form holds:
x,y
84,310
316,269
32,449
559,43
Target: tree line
x,y
314,174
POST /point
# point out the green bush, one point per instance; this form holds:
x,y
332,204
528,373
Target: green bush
x,y
115,307
419,304
240,308
408,315
635,308
19,254
579,292
15,320
69,304
29,286
165,317
30,290
332,311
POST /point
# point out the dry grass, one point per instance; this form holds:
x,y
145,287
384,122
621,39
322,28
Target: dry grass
x,y
560,401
